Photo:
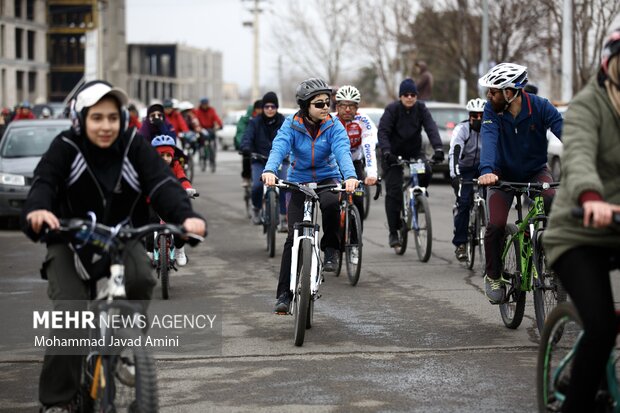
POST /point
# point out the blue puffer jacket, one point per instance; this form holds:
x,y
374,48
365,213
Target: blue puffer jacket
x,y
312,160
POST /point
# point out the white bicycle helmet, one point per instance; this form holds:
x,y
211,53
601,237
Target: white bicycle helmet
x,y
505,76
476,105
348,92
185,105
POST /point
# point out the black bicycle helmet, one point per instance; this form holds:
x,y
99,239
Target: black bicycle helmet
x,y
310,88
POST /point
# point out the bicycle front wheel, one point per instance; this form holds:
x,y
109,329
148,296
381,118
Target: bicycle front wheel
x,y
558,342
353,249
164,264
548,291
471,241
481,228
423,234
366,202
272,224
302,290
513,307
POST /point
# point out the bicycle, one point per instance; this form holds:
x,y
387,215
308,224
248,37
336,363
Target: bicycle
x,y
478,218
416,213
115,378
164,257
270,211
524,266
208,149
306,265
189,142
559,341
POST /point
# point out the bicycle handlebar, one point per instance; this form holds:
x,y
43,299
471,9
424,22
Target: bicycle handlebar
x,y
525,186
577,212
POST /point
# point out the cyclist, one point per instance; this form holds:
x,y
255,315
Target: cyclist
x,y
580,253
174,117
207,116
166,147
24,111
400,130
134,117
362,136
98,165
514,147
258,138
242,124
155,123
316,143
464,158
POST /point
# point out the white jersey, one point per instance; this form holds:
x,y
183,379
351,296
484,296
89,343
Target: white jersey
x,y
362,134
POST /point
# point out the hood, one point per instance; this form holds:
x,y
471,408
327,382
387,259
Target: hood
x,y
19,166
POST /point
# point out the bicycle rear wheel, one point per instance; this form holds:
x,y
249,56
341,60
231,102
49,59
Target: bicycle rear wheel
x,y
548,291
353,249
513,308
558,342
423,234
164,264
366,202
302,290
204,153
212,151
470,246
272,224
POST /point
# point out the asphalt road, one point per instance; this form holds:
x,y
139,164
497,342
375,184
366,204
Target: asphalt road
x,y
410,337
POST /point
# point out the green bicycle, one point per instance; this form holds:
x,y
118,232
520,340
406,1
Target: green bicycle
x,y
524,265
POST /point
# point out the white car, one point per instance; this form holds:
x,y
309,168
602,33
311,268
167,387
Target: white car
x,y
554,151
226,135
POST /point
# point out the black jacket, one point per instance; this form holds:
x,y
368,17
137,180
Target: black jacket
x,y
73,177
260,134
400,130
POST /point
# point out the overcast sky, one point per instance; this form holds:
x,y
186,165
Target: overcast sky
x,y
212,24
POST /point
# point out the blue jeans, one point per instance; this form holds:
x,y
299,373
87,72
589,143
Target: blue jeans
x,y
464,200
257,185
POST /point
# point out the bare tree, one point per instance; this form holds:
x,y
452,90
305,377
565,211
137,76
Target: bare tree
x,y
314,35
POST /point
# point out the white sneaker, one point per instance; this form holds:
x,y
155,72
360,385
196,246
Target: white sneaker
x,y
354,256
181,257
150,255
126,372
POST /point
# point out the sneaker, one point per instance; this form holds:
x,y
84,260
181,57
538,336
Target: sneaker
x,y
57,409
494,290
284,301
256,219
283,223
181,258
394,241
150,255
354,256
331,260
246,183
461,252
126,372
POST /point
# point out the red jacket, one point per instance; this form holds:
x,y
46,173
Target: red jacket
x,y
21,116
177,122
134,121
208,118
178,171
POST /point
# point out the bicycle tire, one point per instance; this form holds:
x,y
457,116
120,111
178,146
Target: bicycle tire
x,y
547,289
471,244
302,290
423,235
481,231
163,267
247,196
558,340
310,316
341,231
204,153
354,232
212,157
272,225
366,203
402,237
513,308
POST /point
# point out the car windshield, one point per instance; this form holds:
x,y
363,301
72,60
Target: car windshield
x,y
29,141
448,118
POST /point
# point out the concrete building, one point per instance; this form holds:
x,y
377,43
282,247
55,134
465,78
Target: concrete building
x,y
23,59
161,71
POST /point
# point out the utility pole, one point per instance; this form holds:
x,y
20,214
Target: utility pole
x,y
484,62
254,24
567,51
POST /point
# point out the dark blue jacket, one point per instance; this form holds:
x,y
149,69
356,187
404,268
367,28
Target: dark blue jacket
x,y
516,149
260,133
400,129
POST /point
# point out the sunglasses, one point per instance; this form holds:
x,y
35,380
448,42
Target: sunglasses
x,y
270,106
409,95
320,105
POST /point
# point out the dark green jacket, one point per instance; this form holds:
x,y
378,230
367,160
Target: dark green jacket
x,y
242,125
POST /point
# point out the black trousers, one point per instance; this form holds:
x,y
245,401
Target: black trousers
x,y
328,202
393,177
358,201
60,376
584,273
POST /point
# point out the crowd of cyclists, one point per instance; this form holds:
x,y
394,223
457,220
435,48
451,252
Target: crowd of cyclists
x,y
129,170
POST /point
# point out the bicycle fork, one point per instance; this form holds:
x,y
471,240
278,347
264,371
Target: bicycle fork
x,y
314,272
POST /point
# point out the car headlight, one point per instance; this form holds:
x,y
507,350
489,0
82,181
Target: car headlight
x,y
10,179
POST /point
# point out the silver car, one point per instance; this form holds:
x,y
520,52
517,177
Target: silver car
x,y
21,148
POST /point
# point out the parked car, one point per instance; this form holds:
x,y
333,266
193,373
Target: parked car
x,y
22,145
554,151
226,135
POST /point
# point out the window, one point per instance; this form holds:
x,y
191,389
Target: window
x,y
18,43
67,49
32,82
1,7
18,8
19,84
31,44
30,9
1,39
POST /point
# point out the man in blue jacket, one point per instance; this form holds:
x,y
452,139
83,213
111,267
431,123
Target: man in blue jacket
x,y
514,148
400,130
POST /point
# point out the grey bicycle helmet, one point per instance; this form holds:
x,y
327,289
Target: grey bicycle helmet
x,y
310,88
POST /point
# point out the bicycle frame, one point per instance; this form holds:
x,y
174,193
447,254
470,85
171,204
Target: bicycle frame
x,y
413,190
309,230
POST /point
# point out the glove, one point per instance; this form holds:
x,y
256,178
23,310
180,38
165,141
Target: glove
x,y
246,153
438,156
456,182
389,159
190,192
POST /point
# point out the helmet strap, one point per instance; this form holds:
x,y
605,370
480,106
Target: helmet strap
x,y
509,101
